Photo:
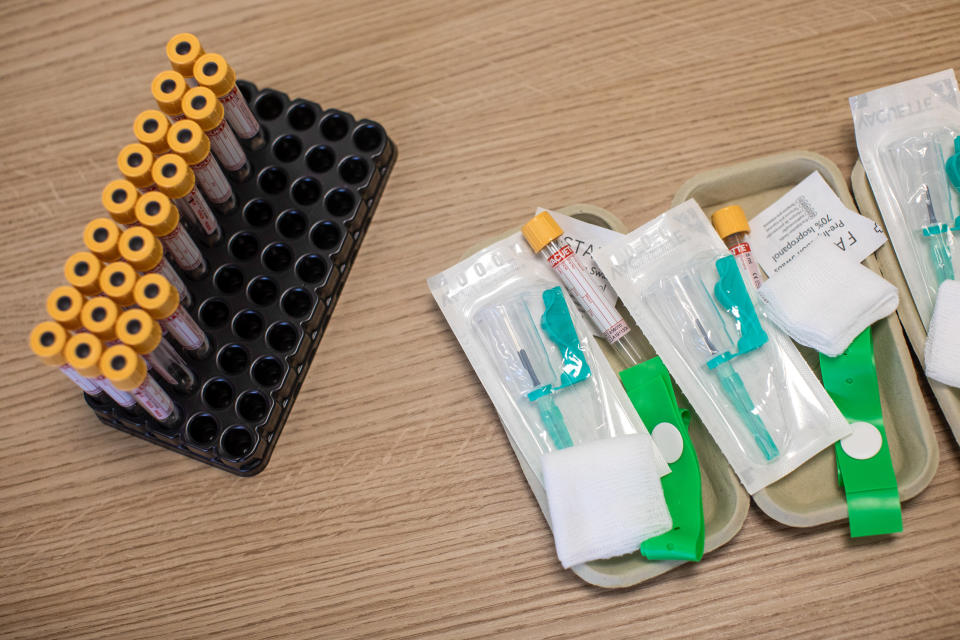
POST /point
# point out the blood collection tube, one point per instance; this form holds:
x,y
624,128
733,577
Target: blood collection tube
x,y
156,213
213,72
731,225
99,317
47,341
544,236
83,353
123,367
188,141
101,236
155,295
201,106
82,270
65,304
119,198
143,251
150,129
139,331
134,162
168,88
177,181
183,50
117,280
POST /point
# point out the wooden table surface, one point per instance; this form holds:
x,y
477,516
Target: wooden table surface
x,y
393,506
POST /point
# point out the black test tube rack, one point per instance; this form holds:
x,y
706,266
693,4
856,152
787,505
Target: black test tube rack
x,y
273,279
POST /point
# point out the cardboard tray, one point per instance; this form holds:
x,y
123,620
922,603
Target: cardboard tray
x,y
947,397
725,502
810,496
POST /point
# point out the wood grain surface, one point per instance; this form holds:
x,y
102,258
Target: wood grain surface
x,y
393,506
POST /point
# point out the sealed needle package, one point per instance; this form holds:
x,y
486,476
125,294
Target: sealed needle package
x,y
746,380
906,135
560,402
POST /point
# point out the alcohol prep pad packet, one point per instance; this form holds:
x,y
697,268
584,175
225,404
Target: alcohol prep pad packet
x,y
754,392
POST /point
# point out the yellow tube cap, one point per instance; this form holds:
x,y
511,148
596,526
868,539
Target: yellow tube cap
x,y
155,295
82,270
200,105
172,175
134,162
183,50
541,231
156,213
117,281
188,140
213,72
99,317
118,198
150,128
168,88
730,220
123,366
140,248
100,236
139,331
64,304
47,341
83,353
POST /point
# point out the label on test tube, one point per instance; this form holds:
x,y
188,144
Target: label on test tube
x,y
226,147
238,114
212,181
199,209
564,262
122,398
182,249
153,399
182,327
744,257
88,386
166,269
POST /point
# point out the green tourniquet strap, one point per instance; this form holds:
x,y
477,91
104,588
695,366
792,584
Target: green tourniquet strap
x,y
650,389
871,485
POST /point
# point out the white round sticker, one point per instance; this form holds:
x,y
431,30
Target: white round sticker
x,y
864,442
669,441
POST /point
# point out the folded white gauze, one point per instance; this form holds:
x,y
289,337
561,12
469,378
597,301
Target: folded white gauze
x,y
604,498
824,299
941,354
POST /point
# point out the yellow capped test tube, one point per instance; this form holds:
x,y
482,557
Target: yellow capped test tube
x,y
101,236
187,140
119,198
156,213
201,106
127,371
138,330
168,88
65,304
99,317
155,295
143,251
83,351
82,270
150,129
183,50
47,341
213,72
177,181
135,161
117,281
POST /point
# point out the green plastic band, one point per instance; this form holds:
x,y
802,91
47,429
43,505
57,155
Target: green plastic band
x,y
650,389
870,484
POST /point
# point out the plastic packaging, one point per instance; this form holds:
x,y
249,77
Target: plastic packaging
x,y
552,387
905,135
758,398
